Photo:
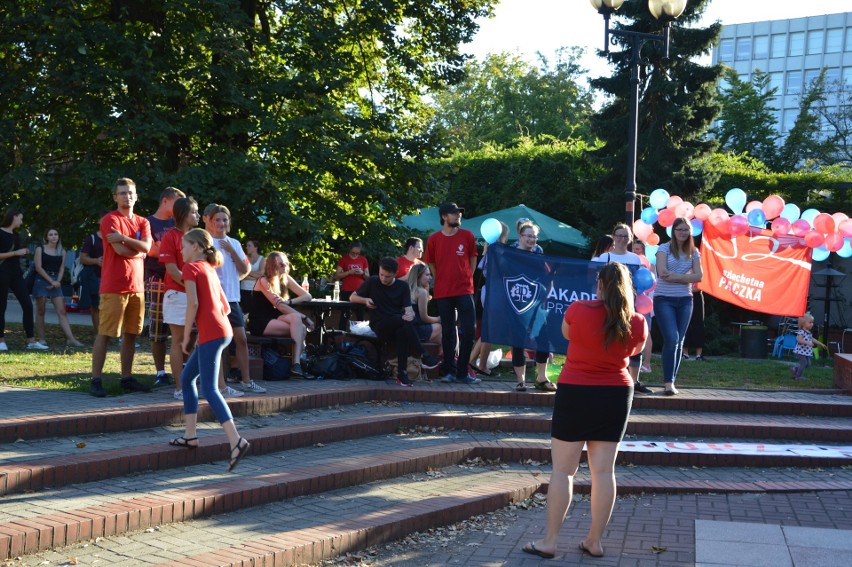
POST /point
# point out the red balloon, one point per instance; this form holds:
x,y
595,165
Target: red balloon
x,y
773,206
674,201
653,239
666,217
738,224
702,211
833,241
752,206
800,227
780,226
644,304
813,239
824,223
845,228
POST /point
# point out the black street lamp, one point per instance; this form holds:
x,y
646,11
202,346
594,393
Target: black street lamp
x,y
666,11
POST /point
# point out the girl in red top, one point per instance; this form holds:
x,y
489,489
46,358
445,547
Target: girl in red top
x,y
592,403
207,306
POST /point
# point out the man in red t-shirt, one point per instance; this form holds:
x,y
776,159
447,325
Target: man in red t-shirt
x,y
127,239
451,255
352,270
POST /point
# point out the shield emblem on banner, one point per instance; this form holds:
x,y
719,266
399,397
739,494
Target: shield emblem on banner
x,y
523,293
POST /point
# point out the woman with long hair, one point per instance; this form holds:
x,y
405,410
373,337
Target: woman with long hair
x,y
678,267
272,311
207,306
50,267
256,265
605,244
12,279
428,328
592,404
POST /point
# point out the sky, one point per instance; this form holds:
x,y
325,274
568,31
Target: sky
x,y
528,26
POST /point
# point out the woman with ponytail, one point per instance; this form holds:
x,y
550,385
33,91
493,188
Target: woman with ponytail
x,y
207,306
592,404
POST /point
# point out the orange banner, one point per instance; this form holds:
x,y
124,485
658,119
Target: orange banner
x,y
757,271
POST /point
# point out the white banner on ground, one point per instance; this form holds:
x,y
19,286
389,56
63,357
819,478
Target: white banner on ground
x,y
829,451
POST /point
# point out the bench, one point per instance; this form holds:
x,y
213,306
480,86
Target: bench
x,y
283,345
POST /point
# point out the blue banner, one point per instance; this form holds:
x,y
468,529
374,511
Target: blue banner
x,y
526,296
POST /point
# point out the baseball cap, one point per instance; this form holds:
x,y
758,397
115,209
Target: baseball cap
x,y
448,208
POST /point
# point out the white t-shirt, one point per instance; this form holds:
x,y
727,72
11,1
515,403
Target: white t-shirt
x,y
229,277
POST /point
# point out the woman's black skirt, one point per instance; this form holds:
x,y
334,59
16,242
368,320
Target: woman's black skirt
x,y
591,413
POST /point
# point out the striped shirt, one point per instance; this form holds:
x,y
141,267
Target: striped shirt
x,y
675,266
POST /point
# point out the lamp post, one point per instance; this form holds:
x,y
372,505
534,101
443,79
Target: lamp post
x,y
666,11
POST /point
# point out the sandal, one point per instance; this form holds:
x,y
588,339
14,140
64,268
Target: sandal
x,y
241,450
520,387
184,442
478,370
546,386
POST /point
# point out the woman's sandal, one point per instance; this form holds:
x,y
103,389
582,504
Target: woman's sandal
x,y
546,386
241,450
478,370
184,442
520,387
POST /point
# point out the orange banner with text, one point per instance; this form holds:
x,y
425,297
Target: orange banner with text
x,y
757,271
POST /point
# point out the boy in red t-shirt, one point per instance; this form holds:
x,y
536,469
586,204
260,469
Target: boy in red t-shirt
x,y
451,255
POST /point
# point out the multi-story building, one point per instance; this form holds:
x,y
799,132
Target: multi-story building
x,y
792,52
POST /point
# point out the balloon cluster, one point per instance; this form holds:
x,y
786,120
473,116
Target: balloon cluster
x,y
823,232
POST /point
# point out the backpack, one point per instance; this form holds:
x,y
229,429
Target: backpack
x,y
77,267
275,366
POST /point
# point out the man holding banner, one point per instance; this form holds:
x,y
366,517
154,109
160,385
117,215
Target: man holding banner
x,y
451,255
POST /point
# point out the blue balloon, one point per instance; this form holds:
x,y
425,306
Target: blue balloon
x,y
490,230
845,250
809,216
643,279
669,230
697,226
649,215
651,253
756,217
659,198
820,253
790,212
736,200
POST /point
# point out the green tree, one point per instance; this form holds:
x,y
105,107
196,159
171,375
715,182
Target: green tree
x,y
503,99
835,109
676,107
306,118
746,124
806,143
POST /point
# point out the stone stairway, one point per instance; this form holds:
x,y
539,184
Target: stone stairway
x,y
337,467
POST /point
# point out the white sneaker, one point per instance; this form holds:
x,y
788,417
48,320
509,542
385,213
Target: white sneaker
x,y
178,395
228,392
37,346
4,347
251,387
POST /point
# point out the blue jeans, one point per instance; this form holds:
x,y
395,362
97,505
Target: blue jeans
x,y
673,315
448,307
204,362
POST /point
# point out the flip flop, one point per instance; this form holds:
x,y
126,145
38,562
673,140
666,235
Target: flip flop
x,y
545,386
241,451
478,370
184,442
584,549
532,550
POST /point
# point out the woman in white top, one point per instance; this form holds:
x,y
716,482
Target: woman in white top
x,y
678,267
256,265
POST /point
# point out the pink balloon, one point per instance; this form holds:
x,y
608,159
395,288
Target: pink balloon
x,y
644,304
800,227
653,239
702,211
833,241
674,201
813,239
845,228
642,229
738,225
780,226
753,205
666,217
718,217
824,223
773,206
685,210
839,218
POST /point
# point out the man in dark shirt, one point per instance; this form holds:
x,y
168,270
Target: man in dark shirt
x,y
391,314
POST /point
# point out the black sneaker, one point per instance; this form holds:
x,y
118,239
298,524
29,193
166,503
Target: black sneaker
x,y
162,380
701,358
132,385
429,361
97,389
642,388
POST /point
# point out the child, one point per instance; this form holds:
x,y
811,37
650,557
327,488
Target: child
x,y
805,346
206,301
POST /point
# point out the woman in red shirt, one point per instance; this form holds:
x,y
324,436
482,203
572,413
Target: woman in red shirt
x,y
592,403
207,306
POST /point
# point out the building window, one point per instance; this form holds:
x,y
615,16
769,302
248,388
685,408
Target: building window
x,y
848,46
794,82
790,116
743,48
776,81
815,41
726,50
761,47
779,45
797,44
847,76
832,77
811,75
834,40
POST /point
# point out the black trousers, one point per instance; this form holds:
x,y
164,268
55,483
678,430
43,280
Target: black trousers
x,y
16,285
462,309
395,330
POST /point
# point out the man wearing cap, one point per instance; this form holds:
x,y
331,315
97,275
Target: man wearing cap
x,y
451,255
